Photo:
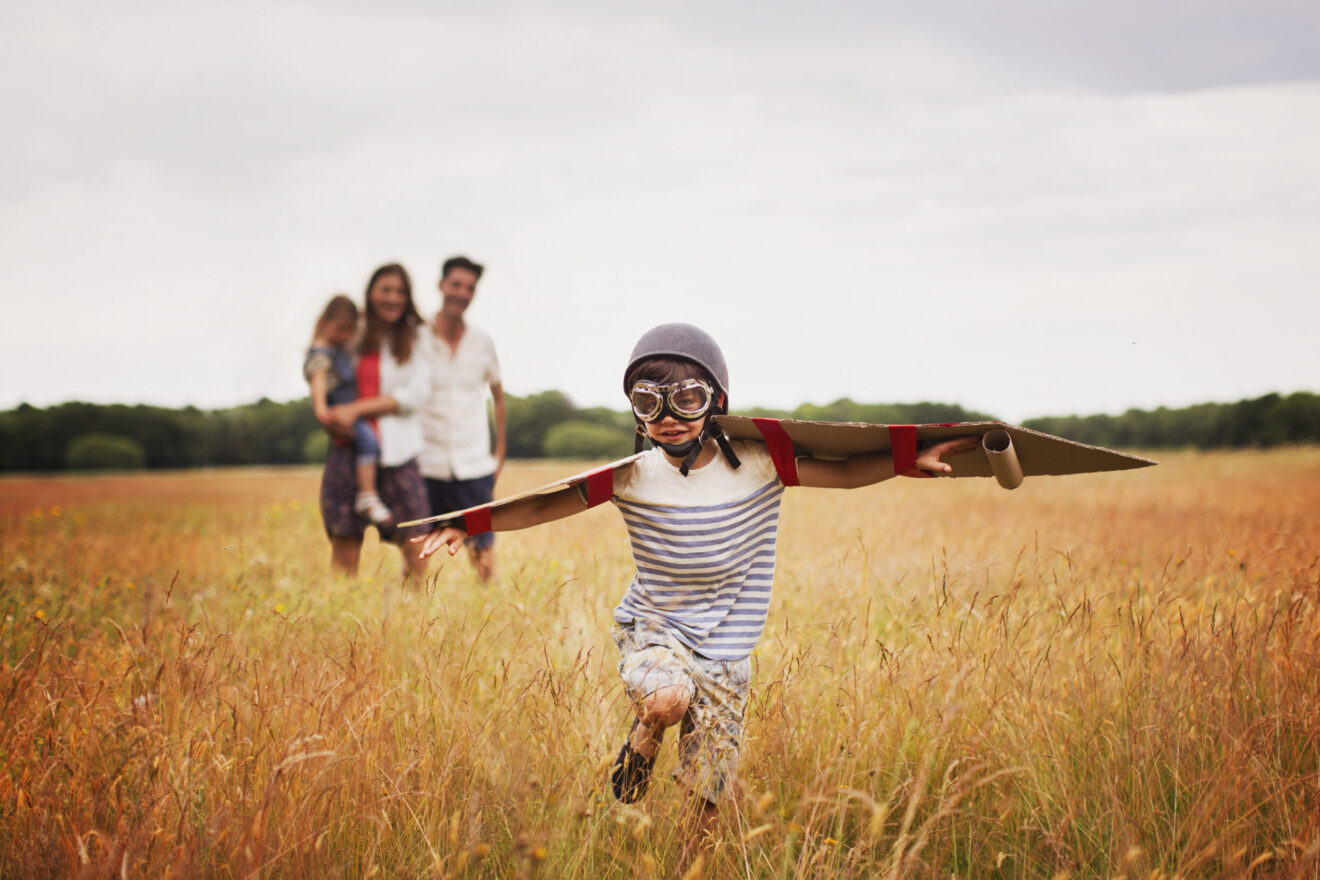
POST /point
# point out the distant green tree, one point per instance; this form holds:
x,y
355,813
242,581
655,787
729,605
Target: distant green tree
x,y
581,439
1262,421
847,410
529,420
32,441
761,412
1297,418
97,452
315,447
268,432
620,420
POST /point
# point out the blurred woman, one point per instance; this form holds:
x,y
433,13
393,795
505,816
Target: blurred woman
x,y
394,379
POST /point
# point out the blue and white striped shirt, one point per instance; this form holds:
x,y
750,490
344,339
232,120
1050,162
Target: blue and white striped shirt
x,y
704,546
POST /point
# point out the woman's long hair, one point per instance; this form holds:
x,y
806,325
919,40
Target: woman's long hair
x,y
402,333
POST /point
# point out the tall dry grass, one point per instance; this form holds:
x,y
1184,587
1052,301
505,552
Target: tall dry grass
x,y
1098,676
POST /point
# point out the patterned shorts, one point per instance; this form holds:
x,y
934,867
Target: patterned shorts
x,y
401,488
652,658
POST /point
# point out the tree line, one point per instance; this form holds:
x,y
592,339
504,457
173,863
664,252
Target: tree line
x,y
88,436
1260,422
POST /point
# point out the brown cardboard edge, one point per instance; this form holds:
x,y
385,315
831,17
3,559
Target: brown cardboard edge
x,y
1045,454
555,486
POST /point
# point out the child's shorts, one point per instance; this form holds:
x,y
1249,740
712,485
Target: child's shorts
x,y
651,658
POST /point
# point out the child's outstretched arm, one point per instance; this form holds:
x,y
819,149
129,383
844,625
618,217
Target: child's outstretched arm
x,y
863,470
523,513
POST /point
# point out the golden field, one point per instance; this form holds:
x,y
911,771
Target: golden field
x,y
1094,676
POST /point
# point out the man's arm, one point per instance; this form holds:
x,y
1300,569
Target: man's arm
x,y
863,470
501,425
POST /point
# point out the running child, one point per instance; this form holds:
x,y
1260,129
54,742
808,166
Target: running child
x,y
702,514
329,371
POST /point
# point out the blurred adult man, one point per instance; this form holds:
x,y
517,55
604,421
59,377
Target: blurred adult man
x,y
458,463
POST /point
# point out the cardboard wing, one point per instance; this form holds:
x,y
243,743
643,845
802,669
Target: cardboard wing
x,y
596,486
1007,453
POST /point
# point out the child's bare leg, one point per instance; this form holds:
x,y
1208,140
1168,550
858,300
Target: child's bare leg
x,y
366,476
663,708
705,818
700,826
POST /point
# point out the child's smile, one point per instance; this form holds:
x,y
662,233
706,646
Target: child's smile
x,y
672,431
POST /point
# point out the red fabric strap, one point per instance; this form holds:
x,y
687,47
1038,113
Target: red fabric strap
x,y
475,522
903,447
600,486
780,446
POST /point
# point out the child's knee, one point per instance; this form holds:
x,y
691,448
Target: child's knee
x,y
665,707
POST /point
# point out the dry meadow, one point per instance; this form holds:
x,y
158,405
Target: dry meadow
x,y
1092,676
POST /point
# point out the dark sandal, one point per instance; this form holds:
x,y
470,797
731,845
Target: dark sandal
x,y
631,773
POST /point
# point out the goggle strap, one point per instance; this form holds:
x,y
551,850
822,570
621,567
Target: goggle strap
x,y
727,449
692,456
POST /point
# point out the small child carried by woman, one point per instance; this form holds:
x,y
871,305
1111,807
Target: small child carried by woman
x,y
329,371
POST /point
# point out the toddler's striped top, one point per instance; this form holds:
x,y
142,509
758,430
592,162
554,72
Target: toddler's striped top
x,y
704,546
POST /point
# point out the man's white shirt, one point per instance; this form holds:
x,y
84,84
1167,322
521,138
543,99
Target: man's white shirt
x,y
454,419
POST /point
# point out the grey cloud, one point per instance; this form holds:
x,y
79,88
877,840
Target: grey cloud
x,y
1118,46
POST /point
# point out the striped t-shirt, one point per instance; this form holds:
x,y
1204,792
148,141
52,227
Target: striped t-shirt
x,y
704,546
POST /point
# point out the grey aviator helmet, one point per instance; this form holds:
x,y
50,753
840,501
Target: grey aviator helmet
x,y
684,341
691,343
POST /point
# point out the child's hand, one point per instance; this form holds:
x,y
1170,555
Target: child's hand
x,y
931,458
447,537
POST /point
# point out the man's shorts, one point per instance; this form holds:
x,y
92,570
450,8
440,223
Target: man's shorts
x,y
650,658
450,495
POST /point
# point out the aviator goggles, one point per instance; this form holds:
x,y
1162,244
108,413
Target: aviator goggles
x,y
686,401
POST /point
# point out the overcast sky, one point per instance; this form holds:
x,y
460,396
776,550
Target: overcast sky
x,y
1028,208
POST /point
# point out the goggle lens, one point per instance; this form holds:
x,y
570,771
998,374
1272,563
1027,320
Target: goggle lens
x,y
687,400
690,401
646,403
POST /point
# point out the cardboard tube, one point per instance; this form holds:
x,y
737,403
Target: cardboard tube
x,y
998,446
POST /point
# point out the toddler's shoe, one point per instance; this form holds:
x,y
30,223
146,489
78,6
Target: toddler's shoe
x,y
632,772
369,505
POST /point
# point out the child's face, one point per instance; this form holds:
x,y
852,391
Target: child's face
x,y
674,431
340,333
669,429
